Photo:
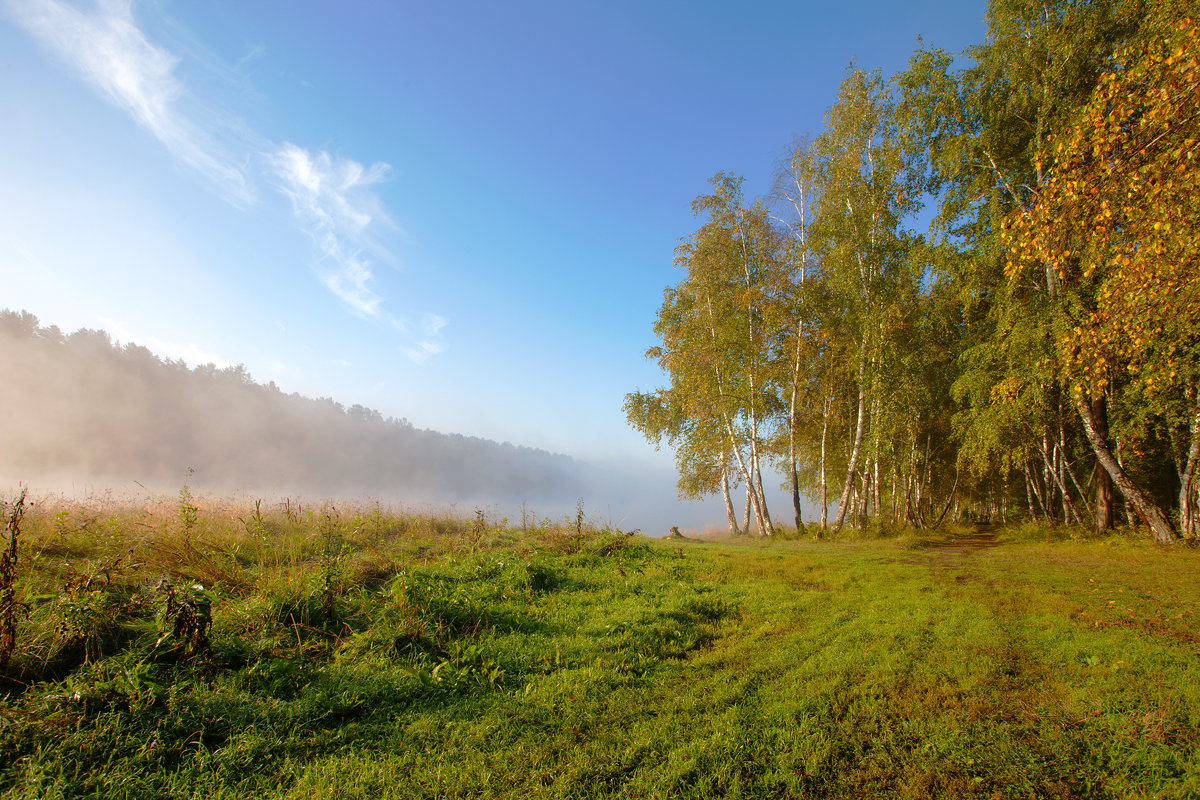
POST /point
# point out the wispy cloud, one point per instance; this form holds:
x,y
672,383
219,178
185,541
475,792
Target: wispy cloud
x,y
432,324
422,352
254,54
333,201
108,49
430,342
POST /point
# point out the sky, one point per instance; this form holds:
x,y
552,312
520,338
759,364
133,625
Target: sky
x,y
459,213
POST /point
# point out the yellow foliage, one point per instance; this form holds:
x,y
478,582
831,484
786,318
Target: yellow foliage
x,y
1138,280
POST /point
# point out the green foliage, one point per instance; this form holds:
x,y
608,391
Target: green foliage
x,y
188,512
1031,351
185,619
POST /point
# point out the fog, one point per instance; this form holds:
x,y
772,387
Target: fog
x,y
81,414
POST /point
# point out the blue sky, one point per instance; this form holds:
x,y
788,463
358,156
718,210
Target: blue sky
x,y
459,213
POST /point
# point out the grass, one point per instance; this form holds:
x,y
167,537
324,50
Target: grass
x,y
369,652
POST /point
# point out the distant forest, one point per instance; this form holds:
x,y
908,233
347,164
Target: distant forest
x,y
80,407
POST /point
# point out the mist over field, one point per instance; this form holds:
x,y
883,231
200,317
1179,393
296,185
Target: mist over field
x,y
83,414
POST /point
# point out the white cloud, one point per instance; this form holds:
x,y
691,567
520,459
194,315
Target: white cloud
x,y
429,345
422,352
333,201
333,191
432,324
108,49
348,281
332,198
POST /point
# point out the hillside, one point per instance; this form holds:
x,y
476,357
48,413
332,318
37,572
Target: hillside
x,y
80,408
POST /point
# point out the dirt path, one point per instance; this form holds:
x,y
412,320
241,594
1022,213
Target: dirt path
x,y
981,538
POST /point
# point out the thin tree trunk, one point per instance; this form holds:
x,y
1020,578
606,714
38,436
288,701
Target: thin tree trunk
x,y
729,511
1047,474
911,514
1104,486
749,506
1029,494
924,484
875,483
1055,460
767,528
875,461
792,418
1130,515
843,504
792,464
1037,492
895,482
910,483
1066,467
1070,513
865,500
1187,493
953,492
761,517
824,485
800,202
796,496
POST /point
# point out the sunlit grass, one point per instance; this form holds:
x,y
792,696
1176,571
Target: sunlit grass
x,y
375,653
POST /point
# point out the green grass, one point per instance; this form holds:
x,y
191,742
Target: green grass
x,y
371,653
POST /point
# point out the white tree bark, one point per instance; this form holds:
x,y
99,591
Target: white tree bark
x,y
1160,525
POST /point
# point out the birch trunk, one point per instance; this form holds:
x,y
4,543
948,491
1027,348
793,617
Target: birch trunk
x,y
1029,494
875,460
769,527
1040,491
762,517
729,511
792,434
729,430
824,486
1103,517
1187,491
843,504
1053,458
749,508
1147,509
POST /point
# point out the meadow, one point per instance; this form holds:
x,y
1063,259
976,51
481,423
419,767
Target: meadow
x,y
186,647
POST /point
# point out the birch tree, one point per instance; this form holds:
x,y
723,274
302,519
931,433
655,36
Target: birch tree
x,y
713,329
798,354
856,233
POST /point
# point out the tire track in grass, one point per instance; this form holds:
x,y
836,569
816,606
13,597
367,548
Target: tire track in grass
x,y
1014,707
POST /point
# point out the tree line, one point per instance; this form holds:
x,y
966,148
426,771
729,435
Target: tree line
x,y
1034,353
81,408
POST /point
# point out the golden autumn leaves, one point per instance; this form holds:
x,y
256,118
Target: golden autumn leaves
x,y
1113,232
